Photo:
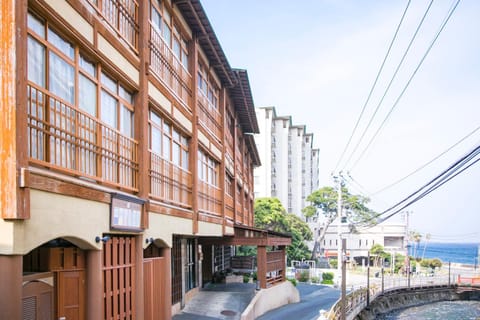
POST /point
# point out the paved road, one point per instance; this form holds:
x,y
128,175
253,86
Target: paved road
x,y
313,298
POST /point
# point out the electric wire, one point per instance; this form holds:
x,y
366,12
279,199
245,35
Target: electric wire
x,y
449,15
425,164
373,86
387,89
429,191
445,176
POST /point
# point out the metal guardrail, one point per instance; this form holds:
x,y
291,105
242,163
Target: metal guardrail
x,y
356,299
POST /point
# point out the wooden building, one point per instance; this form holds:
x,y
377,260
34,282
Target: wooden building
x,y
127,159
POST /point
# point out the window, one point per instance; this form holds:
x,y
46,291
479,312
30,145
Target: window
x,y
162,22
167,142
208,169
89,114
206,87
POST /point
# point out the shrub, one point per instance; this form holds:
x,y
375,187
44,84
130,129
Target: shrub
x,y
246,278
315,279
327,276
304,276
333,263
293,281
327,281
254,276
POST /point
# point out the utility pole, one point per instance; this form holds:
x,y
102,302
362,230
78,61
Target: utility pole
x,y
341,249
344,280
368,278
339,225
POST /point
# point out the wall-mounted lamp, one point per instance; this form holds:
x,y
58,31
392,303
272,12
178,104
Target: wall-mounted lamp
x,y
103,239
149,240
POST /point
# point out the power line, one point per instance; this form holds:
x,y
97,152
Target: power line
x,y
408,83
390,83
427,163
373,87
451,172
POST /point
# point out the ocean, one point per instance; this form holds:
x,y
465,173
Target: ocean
x,y
464,253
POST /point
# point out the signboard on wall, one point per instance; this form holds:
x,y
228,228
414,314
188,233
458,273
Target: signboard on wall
x,y
126,213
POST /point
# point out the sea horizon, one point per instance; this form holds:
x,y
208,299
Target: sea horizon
x,y
455,252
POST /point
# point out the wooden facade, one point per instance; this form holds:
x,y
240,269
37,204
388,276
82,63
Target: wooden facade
x,y
105,100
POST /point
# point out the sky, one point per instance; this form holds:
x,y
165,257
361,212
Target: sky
x,y
317,60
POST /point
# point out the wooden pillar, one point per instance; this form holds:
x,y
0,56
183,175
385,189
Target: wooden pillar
x,y
262,266
13,127
142,109
223,98
167,273
94,284
284,270
139,286
194,141
11,287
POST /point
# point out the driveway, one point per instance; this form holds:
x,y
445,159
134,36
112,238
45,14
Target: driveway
x,y
313,298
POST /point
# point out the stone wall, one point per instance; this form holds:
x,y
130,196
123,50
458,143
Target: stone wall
x,y
404,298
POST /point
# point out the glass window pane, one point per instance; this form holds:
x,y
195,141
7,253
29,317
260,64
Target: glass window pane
x,y
156,20
87,95
167,34
125,94
109,83
176,48
155,119
185,159
36,62
109,109
61,78
88,66
166,128
36,25
60,44
166,147
176,154
156,141
126,122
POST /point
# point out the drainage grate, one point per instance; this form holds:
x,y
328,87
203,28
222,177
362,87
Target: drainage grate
x,y
228,313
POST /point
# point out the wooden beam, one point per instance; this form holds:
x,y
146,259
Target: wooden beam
x,y
262,266
8,154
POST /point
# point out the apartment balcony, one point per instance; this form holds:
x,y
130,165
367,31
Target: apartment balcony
x,y
209,199
169,69
122,17
209,117
66,139
170,183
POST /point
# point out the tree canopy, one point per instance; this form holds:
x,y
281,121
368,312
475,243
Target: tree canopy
x,y
271,215
323,202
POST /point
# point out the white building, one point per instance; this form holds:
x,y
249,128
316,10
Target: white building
x,y
391,235
289,169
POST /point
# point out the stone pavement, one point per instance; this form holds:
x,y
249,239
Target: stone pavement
x,y
218,301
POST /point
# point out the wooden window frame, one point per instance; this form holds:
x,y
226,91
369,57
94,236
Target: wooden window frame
x,y
64,125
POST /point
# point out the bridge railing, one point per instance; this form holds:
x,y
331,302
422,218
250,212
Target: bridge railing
x,y
356,299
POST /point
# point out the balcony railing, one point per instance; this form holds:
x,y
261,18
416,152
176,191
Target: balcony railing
x,y
169,69
169,182
209,198
209,117
122,16
62,137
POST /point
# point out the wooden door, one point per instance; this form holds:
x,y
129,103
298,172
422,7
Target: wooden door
x,y
155,289
71,295
37,301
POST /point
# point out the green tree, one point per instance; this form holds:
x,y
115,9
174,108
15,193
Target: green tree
x,y
324,202
271,215
378,253
415,237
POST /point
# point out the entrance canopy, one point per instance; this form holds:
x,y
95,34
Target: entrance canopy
x,y
249,236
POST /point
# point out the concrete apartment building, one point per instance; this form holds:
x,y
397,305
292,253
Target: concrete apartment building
x,y
127,160
290,163
392,236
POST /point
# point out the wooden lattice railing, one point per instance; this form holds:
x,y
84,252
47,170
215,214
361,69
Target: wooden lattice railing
x,y
63,137
169,182
122,16
169,69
